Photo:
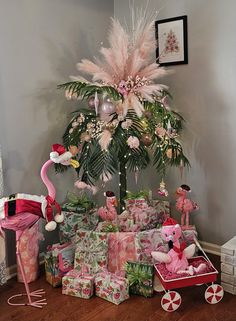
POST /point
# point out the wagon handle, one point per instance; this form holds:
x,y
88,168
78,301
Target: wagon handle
x,y
200,247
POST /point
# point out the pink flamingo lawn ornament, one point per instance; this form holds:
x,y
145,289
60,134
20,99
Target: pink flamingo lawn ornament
x,y
20,211
109,213
184,205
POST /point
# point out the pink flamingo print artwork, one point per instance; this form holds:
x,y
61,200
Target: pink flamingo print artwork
x,y
109,213
21,211
184,205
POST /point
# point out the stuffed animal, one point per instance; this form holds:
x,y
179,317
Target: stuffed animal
x,y
109,212
184,205
176,260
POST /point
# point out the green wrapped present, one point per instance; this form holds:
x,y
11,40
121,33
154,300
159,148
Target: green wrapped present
x,y
91,251
140,277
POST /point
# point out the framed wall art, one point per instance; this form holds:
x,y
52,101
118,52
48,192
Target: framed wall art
x,y
172,41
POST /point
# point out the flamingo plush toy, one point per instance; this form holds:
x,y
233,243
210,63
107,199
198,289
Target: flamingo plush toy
x,y
20,211
184,205
109,213
176,260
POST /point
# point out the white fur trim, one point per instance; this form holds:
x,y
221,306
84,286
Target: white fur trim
x,y
56,158
2,212
43,207
59,218
50,226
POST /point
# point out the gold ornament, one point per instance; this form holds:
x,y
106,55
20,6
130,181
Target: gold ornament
x,y
146,139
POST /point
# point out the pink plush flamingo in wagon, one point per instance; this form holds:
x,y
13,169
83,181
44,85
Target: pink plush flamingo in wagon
x,y
20,211
184,205
109,213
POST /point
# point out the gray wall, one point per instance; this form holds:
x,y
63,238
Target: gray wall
x,y
204,92
41,42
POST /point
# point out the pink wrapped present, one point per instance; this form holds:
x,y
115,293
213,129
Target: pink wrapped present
x,y
29,251
146,242
121,248
111,287
78,284
140,202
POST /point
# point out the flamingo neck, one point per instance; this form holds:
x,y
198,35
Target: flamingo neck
x,y
49,185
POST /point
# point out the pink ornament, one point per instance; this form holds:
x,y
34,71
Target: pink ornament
x,y
91,102
133,142
107,107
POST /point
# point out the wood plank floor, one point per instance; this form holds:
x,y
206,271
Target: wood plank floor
x,y
137,308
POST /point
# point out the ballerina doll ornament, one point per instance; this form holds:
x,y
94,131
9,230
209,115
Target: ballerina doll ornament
x,y
176,260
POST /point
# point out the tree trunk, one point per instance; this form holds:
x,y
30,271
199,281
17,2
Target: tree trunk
x,y
123,185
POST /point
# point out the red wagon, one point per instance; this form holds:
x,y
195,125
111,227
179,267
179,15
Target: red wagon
x,y
171,300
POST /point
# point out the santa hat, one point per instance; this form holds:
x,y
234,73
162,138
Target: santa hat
x,y
170,222
109,194
186,187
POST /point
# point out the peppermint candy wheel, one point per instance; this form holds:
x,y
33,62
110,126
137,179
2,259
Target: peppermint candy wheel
x,y
171,301
214,293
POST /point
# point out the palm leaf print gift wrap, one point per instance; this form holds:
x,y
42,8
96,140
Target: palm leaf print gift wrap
x,y
79,213
91,250
111,287
140,277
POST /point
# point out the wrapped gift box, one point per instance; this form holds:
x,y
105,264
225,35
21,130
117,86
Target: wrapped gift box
x,y
107,227
78,284
143,217
111,287
140,277
29,252
91,250
58,261
77,219
121,248
146,242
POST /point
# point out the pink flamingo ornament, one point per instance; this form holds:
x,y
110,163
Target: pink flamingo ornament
x,y
20,211
176,259
184,205
109,213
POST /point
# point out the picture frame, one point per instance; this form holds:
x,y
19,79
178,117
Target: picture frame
x,y
172,41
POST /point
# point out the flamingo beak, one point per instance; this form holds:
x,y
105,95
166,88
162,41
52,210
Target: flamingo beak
x,y
115,203
74,163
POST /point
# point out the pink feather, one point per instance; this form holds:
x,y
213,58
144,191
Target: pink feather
x,y
105,139
148,91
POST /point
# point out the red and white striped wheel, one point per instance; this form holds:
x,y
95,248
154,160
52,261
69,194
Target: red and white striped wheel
x,y
214,293
171,301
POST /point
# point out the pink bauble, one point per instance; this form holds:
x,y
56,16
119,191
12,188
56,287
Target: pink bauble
x,y
107,107
91,102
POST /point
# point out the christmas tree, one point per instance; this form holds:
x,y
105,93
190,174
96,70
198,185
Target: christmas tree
x,y
128,123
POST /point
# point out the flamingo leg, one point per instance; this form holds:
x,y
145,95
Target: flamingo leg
x,y
187,219
182,218
37,293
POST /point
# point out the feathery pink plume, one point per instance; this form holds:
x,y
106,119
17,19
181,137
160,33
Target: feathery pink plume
x,y
147,91
95,70
153,71
105,139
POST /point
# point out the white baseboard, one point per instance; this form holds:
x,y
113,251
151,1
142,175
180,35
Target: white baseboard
x,y
210,247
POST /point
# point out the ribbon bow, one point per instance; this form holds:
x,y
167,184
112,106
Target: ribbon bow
x,y
52,203
180,249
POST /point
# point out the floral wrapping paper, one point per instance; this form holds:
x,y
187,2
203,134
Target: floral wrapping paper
x,y
111,287
78,284
77,219
146,242
58,261
91,251
29,252
121,248
140,277
143,216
